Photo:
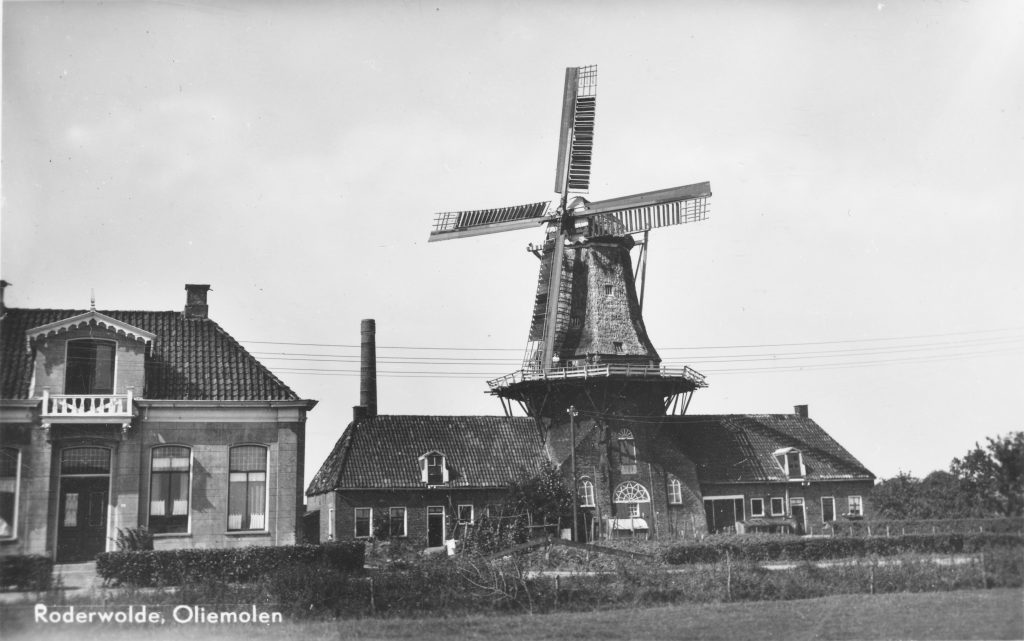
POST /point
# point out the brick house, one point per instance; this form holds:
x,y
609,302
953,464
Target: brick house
x,y
420,477
118,419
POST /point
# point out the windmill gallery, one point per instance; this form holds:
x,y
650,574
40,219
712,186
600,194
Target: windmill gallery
x,y
598,402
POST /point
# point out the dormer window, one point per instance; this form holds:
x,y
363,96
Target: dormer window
x,y
433,468
90,367
791,460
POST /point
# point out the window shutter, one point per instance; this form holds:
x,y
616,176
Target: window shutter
x,y
444,468
423,468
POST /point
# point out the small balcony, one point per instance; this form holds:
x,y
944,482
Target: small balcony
x,y
86,408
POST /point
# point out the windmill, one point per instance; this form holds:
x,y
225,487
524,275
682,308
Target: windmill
x,y
573,218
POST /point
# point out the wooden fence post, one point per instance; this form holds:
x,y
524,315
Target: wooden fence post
x,y
871,577
984,582
728,576
373,605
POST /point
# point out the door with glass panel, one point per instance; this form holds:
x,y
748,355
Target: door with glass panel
x,y
84,503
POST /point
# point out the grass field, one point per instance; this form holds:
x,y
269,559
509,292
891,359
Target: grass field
x,y
974,614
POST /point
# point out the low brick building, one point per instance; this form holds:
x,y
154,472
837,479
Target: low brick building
x,y
118,419
420,477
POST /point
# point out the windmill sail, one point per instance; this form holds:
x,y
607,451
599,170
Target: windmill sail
x,y
459,224
639,212
576,138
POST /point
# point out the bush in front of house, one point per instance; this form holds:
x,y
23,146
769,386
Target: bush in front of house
x,y
26,572
765,548
236,565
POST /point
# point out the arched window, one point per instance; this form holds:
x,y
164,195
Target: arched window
x,y
10,475
627,451
247,488
90,367
675,492
631,492
169,489
586,493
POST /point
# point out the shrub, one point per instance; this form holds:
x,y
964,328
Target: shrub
x,y
26,572
764,548
134,539
243,565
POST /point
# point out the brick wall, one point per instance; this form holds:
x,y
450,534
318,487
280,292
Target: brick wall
x,y
811,494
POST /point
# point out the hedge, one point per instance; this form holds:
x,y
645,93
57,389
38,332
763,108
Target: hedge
x,y
763,548
26,572
232,565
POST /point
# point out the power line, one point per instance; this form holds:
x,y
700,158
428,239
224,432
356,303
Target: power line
x,y
696,347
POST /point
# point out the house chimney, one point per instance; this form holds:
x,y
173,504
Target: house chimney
x,y
195,301
800,410
368,367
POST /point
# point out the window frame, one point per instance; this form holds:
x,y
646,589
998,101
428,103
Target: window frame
x,y
458,513
13,535
355,523
626,447
833,500
675,492
113,364
860,505
782,505
392,520
188,490
585,493
424,462
266,490
759,511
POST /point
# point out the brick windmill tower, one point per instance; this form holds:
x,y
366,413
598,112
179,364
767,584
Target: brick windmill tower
x,y
591,376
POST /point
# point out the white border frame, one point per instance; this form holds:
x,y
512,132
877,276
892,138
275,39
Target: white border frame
x,y
355,523
17,496
191,465
756,498
266,517
405,521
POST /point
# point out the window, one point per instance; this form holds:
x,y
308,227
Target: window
x,y
723,512
397,522
617,347
633,494
586,492
247,488
627,452
607,290
675,492
90,367
85,460
778,506
10,476
433,469
169,489
855,506
791,460
828,509
756,507
465,514
364,522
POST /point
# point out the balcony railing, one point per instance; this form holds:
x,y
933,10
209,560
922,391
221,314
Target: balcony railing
x,y
77,406
603,370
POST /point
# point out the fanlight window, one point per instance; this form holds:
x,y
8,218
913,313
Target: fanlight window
x,y
631,492
627,452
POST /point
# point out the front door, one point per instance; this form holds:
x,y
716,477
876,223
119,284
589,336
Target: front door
x,y
797,508
435,527
82,530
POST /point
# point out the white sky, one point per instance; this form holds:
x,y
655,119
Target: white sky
x,y
865,157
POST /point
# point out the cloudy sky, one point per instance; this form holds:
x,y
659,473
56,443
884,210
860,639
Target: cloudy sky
x,y
862,254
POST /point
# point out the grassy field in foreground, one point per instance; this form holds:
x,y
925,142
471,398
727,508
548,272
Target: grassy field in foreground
x,y
976,614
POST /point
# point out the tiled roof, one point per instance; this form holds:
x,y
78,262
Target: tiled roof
x,y
739,447
190,359
383,452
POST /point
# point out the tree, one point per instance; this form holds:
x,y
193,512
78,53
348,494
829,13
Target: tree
x,y
993,478
544,496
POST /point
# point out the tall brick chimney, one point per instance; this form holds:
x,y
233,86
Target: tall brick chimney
x,y
368,367
800,410
195,301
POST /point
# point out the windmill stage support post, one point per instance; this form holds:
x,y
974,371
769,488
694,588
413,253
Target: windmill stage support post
x,y
572,464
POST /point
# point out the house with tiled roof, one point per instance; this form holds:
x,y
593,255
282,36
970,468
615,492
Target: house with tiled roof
x,y
111,420
771,471
420,476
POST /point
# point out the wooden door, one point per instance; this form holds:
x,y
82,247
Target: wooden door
x,y
435,527
82,518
